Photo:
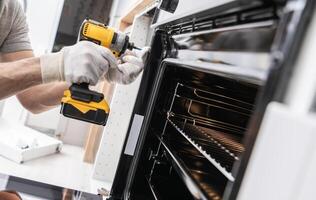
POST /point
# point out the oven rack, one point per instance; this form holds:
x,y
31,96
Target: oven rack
x,y
209,157
213,124
191,100
221,140
189,112
226,142
217,97
200,191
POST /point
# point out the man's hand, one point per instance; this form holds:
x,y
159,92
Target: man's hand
x,y
130,66
83,62
9,195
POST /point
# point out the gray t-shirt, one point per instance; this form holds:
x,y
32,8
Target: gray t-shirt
x,y
13,27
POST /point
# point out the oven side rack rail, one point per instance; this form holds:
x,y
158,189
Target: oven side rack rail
x,y
192,185
152,189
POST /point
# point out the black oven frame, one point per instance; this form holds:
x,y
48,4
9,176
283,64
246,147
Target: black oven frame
x,y
284,52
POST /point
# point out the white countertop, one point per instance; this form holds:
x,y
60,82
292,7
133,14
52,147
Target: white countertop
x,y
65,169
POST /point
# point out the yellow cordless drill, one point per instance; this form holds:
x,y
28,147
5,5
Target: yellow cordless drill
x,y
79,102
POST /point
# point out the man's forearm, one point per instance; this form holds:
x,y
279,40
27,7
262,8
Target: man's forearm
x,y
39,97
43,97
19,75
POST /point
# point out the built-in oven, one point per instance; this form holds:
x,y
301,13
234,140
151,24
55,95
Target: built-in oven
x,y
204,90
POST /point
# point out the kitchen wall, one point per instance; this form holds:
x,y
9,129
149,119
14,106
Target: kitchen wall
x,y
42,34
119,8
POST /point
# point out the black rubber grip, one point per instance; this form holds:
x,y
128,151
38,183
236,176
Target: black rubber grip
x,y
81,92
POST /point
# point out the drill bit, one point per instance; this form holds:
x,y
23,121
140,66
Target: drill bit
x,y
137,48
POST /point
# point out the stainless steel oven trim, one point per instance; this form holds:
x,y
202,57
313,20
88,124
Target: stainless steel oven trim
x,y
260,61
133,135
216,8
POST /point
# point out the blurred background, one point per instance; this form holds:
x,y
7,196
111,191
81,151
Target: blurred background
x,y
54,24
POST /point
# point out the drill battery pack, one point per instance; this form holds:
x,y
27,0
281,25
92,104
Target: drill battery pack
x,y
83,104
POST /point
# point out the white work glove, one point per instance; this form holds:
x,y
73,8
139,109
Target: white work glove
x,y
84,62
129,67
